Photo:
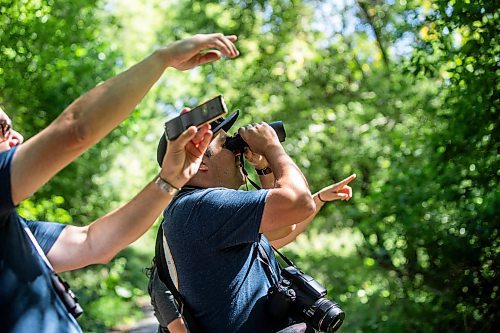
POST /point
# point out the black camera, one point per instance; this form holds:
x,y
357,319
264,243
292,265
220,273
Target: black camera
x,y
237,144
66,295
302,298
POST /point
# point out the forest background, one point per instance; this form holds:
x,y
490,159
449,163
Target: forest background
x,y
404,93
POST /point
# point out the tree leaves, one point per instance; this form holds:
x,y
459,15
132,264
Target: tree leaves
x,y
401,92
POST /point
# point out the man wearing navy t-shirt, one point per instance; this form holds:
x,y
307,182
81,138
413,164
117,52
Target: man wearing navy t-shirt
x,y
32,299
215,233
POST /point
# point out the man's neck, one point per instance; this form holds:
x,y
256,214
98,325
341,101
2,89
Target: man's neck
x,y
196,184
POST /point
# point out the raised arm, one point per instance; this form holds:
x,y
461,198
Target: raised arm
x,y
96,113
101,240
267,181
337,191
290,200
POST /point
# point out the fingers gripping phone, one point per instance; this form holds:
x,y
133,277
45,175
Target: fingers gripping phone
x,y
200,115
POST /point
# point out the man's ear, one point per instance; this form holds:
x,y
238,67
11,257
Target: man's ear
x,y
203,167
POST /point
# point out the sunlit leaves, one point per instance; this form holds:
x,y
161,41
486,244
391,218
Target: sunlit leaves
x,y
401,92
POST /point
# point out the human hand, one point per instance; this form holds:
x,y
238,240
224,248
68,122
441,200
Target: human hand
x,y
256,160
191,52
259,137
337,191
184,154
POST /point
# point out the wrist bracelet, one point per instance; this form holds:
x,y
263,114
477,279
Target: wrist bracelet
x,y
165,186
319,197
262,172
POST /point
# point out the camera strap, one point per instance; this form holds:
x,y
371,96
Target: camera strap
x,y
242,162
163,274
285,259
61,287
264,258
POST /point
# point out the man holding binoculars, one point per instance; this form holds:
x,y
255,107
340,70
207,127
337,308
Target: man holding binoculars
x,y
216,235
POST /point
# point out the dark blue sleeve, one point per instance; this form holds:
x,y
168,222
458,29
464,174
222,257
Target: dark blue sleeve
x,y
6,204
46,233
232,217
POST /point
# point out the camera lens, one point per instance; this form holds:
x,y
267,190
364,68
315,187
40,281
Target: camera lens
x,y
328,317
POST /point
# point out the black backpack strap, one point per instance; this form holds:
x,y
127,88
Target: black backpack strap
x,y
163,274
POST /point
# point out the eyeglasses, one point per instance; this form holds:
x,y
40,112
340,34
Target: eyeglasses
x,y
4,129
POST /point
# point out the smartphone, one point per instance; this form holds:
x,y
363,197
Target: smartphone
x,y
200,115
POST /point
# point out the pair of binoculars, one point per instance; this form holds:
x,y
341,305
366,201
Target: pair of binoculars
x,y
237,145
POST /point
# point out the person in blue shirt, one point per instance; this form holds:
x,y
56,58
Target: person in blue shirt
x,y
162,300
215,233
32,251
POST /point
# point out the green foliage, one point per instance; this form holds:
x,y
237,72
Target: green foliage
x,y
463,213
111,294
404,93
51,54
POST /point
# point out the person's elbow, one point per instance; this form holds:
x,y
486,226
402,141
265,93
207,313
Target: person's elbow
x,y
287,206
302,205
76,132
308,204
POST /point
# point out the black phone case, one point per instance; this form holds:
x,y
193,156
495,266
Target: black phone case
x,y
198,116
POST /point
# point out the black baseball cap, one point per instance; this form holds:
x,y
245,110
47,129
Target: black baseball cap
x,y
217,125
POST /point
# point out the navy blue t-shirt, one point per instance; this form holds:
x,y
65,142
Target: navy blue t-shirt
x,y
28,302
213,236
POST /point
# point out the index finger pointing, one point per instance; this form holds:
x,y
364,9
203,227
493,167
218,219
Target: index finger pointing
x,y
346,181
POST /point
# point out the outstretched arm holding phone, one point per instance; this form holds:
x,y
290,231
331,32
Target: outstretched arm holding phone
x,y
29,299
96,113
